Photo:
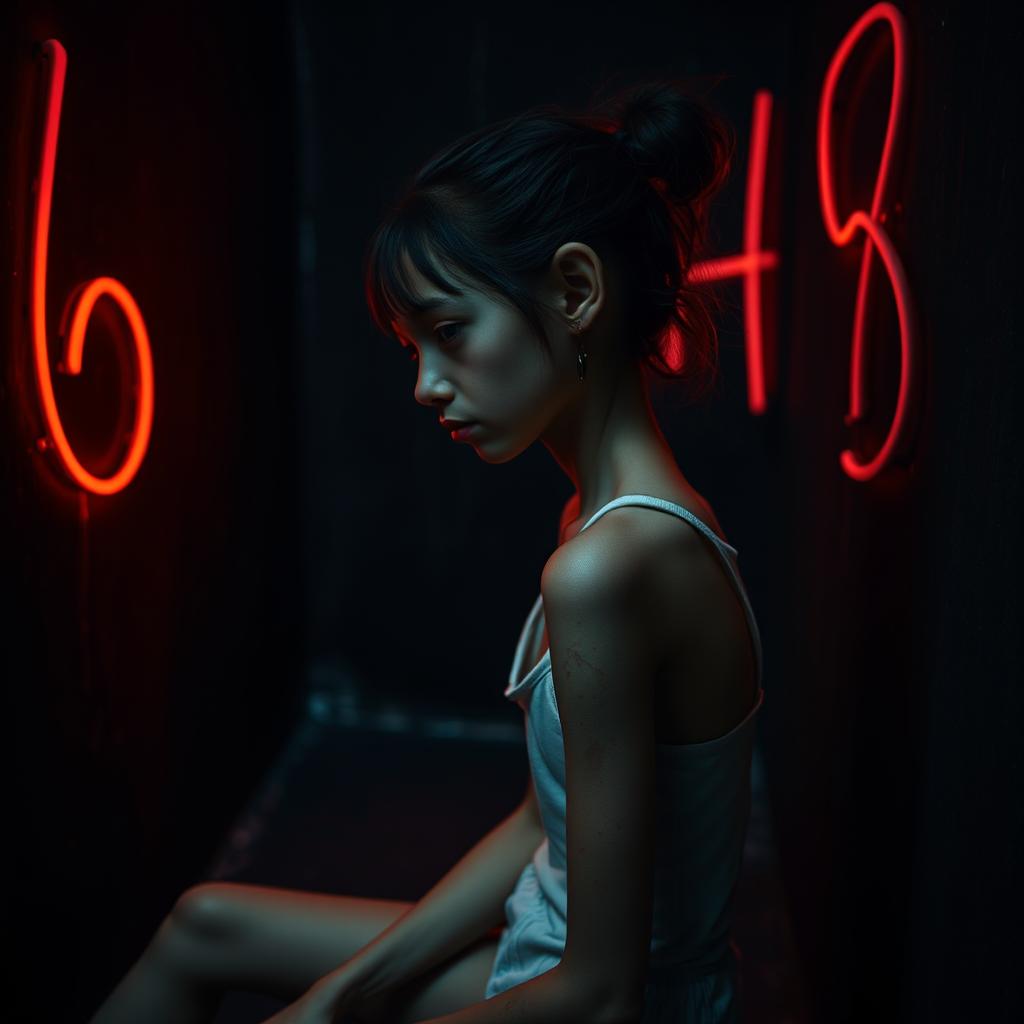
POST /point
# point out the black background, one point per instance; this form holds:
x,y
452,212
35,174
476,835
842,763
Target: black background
x,y
227,165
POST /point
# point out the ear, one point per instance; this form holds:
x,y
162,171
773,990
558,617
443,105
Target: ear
x,y
576,283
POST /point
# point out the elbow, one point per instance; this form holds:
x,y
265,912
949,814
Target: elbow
x,y
613,1015
609,1013
591,1002
603,1008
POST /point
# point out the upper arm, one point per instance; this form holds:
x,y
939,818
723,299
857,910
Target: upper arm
x,y
603,663
529,805
529,802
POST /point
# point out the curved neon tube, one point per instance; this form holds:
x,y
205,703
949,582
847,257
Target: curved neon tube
x,y
80,312
877,238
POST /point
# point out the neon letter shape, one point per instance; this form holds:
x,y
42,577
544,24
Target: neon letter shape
x,y
85,297
877,237
751,263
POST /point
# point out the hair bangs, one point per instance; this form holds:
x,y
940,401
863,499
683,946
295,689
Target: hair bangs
x,y
390,292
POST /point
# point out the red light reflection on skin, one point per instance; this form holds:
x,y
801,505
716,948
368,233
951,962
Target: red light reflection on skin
x,y
877,237
753,260
83,297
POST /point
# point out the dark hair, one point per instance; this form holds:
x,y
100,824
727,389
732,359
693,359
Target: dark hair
x,y
632,179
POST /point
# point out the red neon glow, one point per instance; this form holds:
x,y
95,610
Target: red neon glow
x,y
80,311
877,237
753,260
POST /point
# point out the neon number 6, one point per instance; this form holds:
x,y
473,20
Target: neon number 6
x,y
84,298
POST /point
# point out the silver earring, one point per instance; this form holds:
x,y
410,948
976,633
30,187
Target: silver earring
x,y
581,356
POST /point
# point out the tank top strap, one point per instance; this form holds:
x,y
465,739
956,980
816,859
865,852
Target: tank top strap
x,y
728,553
651,501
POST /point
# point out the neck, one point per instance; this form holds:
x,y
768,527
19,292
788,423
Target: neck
x,y
608,437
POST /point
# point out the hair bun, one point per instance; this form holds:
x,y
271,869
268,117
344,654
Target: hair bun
x,y
672,135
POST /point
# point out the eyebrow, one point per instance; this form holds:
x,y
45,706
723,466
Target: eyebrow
x,y
432,302
426,305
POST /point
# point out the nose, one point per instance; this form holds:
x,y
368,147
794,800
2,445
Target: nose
x,y
431,389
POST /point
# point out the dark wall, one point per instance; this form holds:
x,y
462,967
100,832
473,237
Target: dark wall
x,y
402,514
965,703
157,647
153,646
892,740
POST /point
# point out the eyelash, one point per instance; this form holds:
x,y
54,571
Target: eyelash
x,y
413,357
442,326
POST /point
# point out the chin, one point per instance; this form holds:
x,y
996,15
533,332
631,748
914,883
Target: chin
x,y
497,454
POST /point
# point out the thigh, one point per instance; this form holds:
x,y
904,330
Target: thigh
x,y
280,941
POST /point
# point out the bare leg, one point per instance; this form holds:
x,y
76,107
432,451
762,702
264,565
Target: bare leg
x,y
157,990
228,936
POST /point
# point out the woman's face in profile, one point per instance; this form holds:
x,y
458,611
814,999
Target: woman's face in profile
x,y
478,361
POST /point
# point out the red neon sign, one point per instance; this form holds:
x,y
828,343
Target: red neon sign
x,y
750,264
877,238
77,313
753,260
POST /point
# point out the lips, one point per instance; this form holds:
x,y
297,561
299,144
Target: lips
x,y
462,430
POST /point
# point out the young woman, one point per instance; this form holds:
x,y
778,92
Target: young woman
x,y
535,270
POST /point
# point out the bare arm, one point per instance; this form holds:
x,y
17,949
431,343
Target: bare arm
x,y
458,910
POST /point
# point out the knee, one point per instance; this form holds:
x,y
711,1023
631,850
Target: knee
x,y
203,910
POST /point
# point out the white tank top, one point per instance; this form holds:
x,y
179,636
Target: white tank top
x,y
702,806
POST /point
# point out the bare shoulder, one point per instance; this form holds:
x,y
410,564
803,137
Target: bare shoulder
x,y
650,569
625,558
633,535
603,645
